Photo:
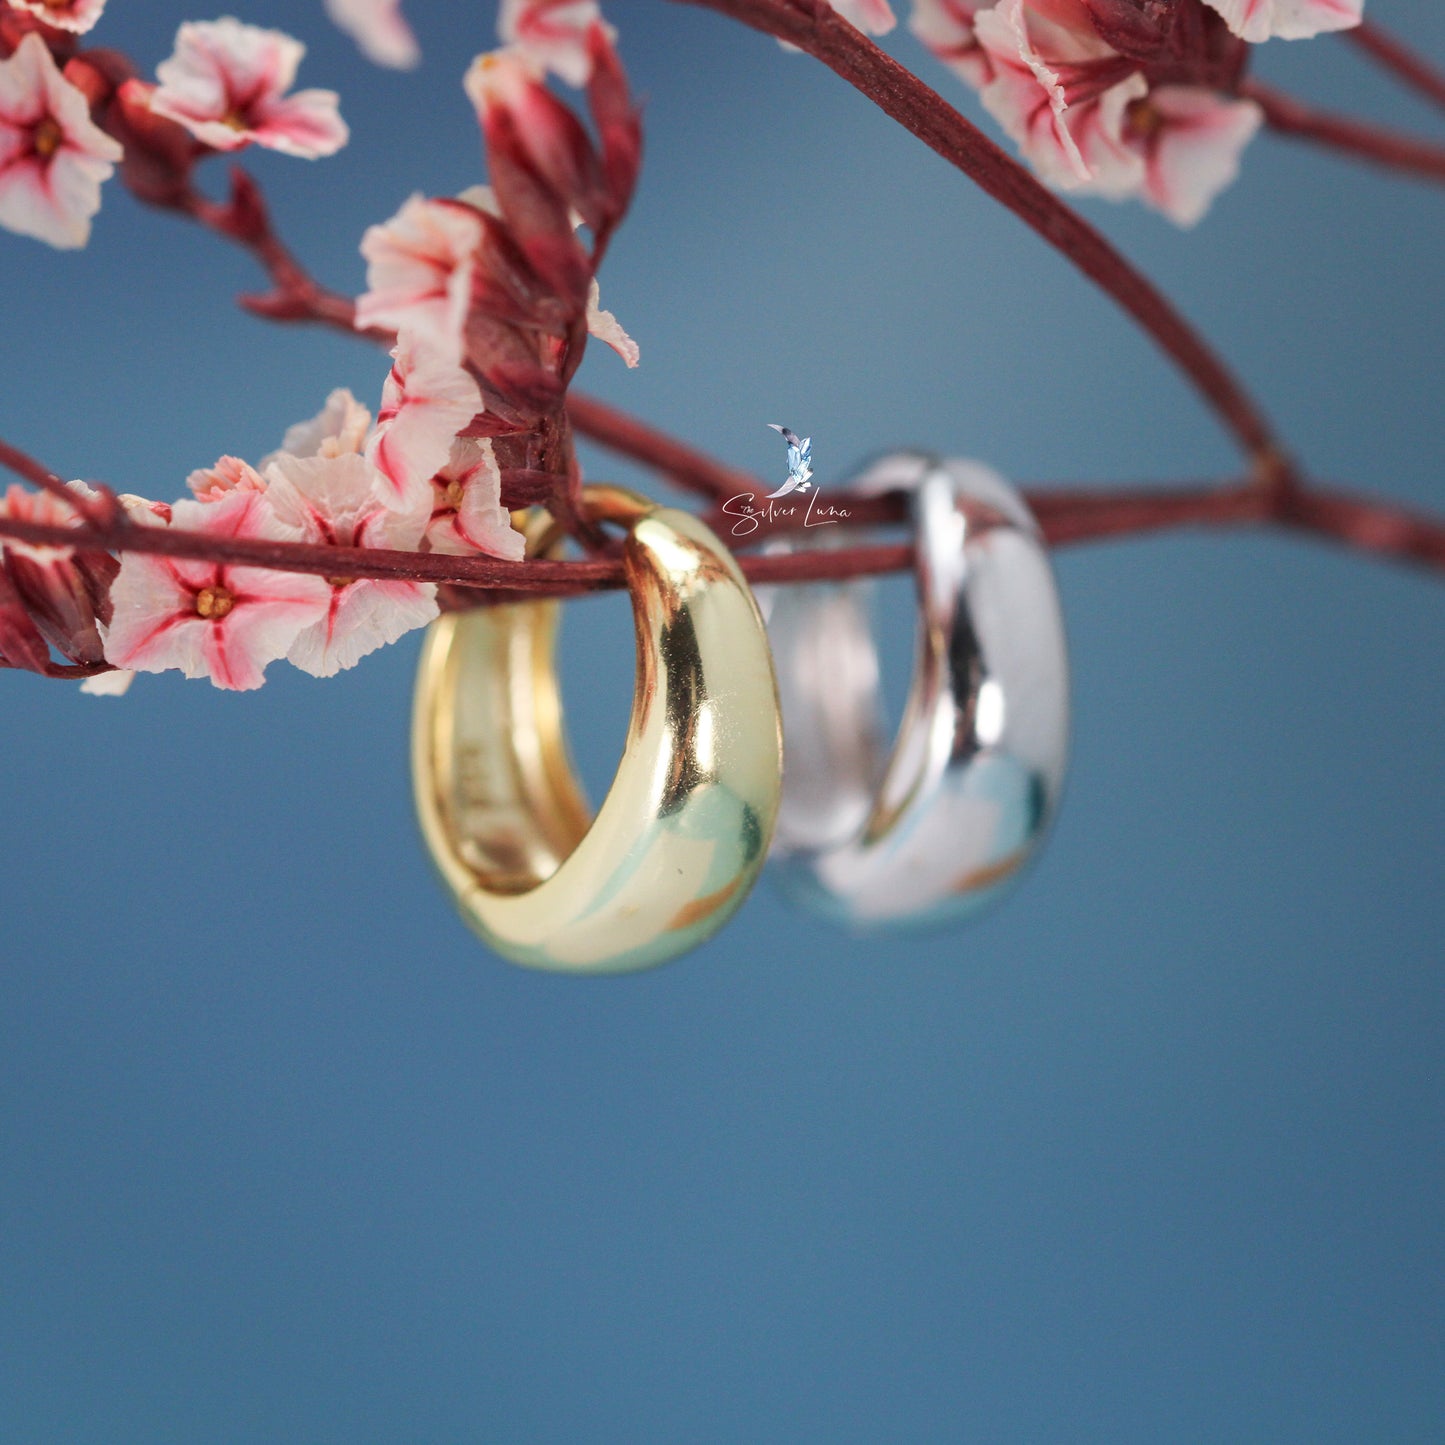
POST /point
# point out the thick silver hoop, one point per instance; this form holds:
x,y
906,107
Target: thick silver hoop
x,y
937,828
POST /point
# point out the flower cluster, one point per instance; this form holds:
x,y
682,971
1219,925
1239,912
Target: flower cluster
x,y
490,297
334,482
68,116
500,277
1122,98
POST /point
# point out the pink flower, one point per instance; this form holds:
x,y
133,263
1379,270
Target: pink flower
x,y
379,29
74,15
946,28
227,83
210,619
1061,92
1258,20
53,157
872,17
342,501
1190,140
552,34
1082,114
425,402
467,513
340,426
606,327
63,591
230,474
420,266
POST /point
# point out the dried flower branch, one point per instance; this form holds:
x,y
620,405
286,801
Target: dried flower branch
x,y
1367,142
816,28
489,297
1399,59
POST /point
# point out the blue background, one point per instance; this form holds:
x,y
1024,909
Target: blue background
x,y
1151,1153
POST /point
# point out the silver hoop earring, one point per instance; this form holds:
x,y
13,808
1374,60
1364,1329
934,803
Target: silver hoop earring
x,y
937,828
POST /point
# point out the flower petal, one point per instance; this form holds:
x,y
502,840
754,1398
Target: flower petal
x,y
1258,20
340,426
108,684
379,29
552,34
419,272
1196,149
426,401
606,327
77,16
468,515
226,83
48,191
363,616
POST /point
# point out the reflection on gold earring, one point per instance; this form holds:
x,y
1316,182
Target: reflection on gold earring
x,y
685,826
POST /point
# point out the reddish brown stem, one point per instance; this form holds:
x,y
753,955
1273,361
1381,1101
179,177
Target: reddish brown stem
x,y
679,463
1397,57
296,295
815,27
24,465
536,577
1288,116
1065,517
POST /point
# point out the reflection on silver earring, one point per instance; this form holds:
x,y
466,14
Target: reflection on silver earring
x,y
935,830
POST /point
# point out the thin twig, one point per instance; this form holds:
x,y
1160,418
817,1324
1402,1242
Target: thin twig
x,y
1065,517
24,465
534,578
816,28
1288,116
675,460
1397,57
245,220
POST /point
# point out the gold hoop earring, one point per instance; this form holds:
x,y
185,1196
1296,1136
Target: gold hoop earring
x,y
684,828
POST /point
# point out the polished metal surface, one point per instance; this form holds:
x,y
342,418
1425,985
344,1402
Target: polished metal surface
x,y
936,828
684,829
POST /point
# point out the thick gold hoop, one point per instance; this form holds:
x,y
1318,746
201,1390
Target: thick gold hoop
x,y
684,828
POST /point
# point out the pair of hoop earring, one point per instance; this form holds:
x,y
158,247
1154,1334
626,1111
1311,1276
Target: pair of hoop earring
x,y
928,833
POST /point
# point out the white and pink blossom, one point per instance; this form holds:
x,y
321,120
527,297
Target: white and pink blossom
x,y
606,327
420,266
53,157
213,619
379,29
946,28
1060,91
226,83
552,34
137,509
1257,20
1190,140
1083,116
41,509
77,16
343,501
228,474
425,402
467,513
340,426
